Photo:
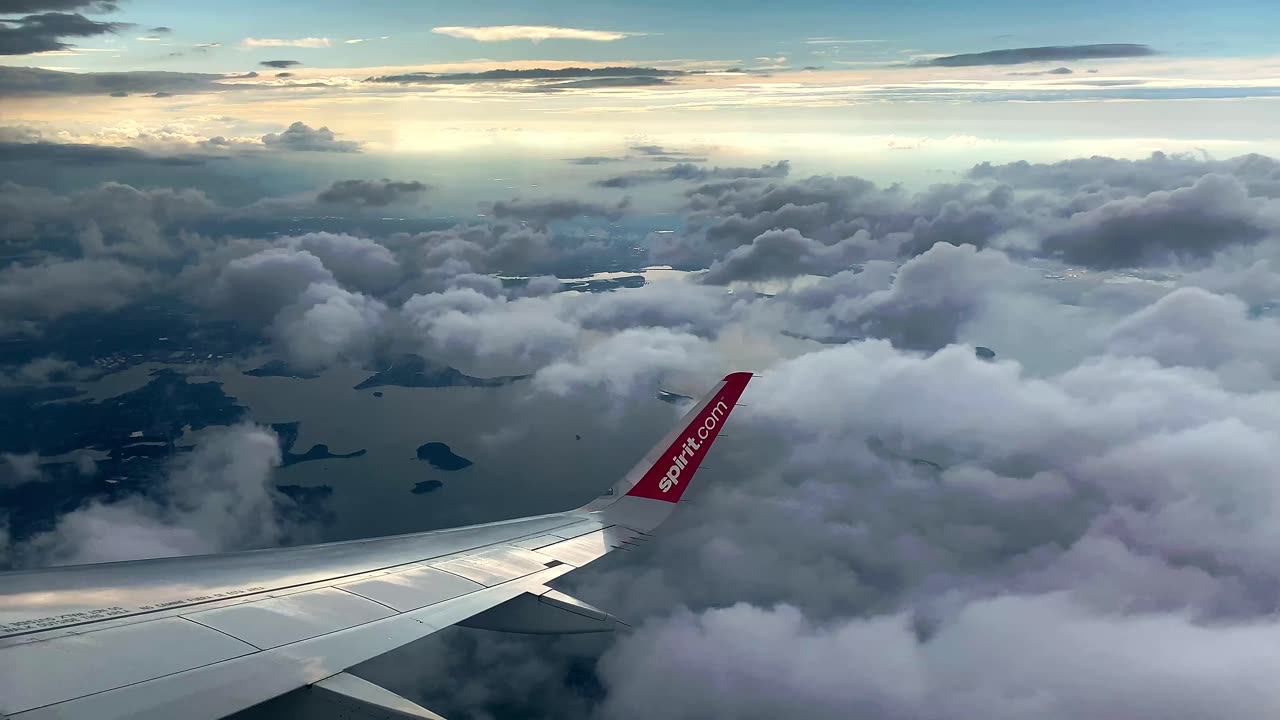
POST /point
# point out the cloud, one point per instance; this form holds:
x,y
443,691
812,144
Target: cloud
x,y
281,64
1192,222
1192,327
16,469
1100,212
1017,56
781,253
300,137
508,75
826,673
591,160
53,288
372,193
44,32
632,360
1055,71
1104,486
79,155
356,262
219,498
328,326
536,33
659,151
463,327
108,220
18,82
604,82
305,42
37,6
256,288
544,211
689,171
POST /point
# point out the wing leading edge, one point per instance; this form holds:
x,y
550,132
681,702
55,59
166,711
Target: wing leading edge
x,y
207,636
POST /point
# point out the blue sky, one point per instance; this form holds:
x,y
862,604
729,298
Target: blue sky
x,y
710,30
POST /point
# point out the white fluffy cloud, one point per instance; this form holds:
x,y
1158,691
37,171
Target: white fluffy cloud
x,y
536,33
220,498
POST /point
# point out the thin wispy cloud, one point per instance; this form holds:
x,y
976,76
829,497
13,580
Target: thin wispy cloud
x,y
839,41
306,42
536,33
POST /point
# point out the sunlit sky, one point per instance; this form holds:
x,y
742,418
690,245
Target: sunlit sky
x,y
821,83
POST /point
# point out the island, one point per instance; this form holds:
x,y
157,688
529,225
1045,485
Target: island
x,y
441,457
416,371
279,368
600,285
288,434
426,486
304,504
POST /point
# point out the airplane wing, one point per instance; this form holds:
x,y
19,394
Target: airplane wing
x,y
208,636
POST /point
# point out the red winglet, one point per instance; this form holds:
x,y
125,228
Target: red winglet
x,y
668,477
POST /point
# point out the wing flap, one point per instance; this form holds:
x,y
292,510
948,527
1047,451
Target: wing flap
x,y
585,548
44,673
412,589
495,566
273,622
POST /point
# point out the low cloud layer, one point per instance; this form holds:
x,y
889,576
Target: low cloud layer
x,y
896,525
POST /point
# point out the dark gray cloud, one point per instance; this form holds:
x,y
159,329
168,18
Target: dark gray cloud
x,y
45,31
781,254
603,82
1192,222
689,171
504,75
284,74
658,151
33,293
1017,56
592,160
39,6
372,193
18,81
1098,212
280,64
1159,171
300,137
160,30
111,219
72,154
542,211
1055,71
